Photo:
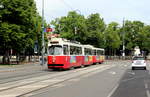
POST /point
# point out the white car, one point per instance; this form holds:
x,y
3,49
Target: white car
x,y
138,62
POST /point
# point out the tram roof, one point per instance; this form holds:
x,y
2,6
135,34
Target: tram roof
x,y
88,46
98,48
62,41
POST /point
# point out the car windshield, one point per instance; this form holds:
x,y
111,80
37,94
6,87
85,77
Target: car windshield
x,y
138,58
55,50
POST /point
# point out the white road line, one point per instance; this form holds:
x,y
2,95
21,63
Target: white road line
x,y
131,73
148,94
146,87
112,72
113,90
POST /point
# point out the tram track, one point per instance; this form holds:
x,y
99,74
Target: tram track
x,y
41,79
22,76
47,80
67,79
22,73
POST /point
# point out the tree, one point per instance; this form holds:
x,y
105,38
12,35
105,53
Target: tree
x,y
144,38
17,27
71,27
112,37
95,28
133,33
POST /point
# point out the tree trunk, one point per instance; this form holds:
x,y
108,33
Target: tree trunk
x,y
17,59
6,57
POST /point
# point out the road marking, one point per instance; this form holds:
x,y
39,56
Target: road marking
x,y
113,90
146,86
148,94
147,90
131,73
112,72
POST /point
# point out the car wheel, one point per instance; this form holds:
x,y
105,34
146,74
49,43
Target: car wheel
x,y
144,68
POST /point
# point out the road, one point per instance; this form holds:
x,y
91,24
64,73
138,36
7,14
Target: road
x,y
111,79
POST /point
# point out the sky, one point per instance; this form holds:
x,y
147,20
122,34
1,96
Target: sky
x,y
110,10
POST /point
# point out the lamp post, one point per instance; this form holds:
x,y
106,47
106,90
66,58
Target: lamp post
x,y
123,43
43,46
75,28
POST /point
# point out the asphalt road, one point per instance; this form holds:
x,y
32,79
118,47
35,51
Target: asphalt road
x,y
118,81
111,79
100,84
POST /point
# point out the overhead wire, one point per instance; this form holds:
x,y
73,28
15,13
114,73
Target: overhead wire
x,y
67,4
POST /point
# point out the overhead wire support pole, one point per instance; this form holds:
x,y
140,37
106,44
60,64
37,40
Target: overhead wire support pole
x,y
123,43
43,45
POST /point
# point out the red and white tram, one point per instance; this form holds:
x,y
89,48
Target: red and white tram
x,y
64,54
88,54
98,55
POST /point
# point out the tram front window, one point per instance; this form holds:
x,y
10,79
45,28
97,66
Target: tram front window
x,y
55,50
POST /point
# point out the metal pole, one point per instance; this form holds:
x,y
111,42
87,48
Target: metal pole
x,y
75,28
43,46
123,48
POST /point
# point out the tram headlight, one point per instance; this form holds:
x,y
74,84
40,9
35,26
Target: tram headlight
x,y
53,59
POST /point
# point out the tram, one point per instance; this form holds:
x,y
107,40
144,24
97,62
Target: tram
x,y
88,55
98,55
65,54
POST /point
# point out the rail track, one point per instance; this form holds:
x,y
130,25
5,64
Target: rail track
x,y
26,86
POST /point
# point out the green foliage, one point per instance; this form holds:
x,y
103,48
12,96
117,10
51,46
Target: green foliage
x,y
20,26
112,37
72,26
133,34
17,30
95,28
76,27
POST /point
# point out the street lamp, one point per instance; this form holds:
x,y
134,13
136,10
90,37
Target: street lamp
x,y
75,28
123,43
43,46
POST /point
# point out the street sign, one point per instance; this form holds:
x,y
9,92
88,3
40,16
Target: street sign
x,y
49,30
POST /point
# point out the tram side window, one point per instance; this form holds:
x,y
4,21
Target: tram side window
x,y
65,49
103,53
87,51
78,51
99,52
94,52
74,50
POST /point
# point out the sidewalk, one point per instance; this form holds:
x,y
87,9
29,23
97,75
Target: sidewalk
x,y
9,68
